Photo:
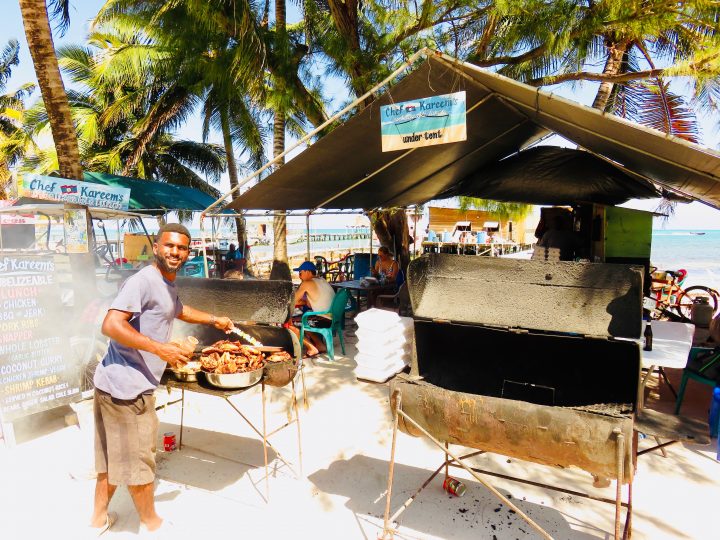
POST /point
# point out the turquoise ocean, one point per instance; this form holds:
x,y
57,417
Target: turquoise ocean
x,y
697,251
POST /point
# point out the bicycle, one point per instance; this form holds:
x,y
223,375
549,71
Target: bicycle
x,y
670,301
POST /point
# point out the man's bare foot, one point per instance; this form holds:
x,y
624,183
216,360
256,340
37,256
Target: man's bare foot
x,y
311,351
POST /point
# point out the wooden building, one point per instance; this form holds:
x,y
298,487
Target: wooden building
x,y
444,220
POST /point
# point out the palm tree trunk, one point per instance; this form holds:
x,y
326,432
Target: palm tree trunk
x,y
42,50
233,174
612,67
391,227
280,267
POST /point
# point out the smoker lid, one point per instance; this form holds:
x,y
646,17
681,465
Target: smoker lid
x,y
581,298
260,300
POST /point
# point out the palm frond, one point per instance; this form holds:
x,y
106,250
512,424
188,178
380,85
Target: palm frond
x,y
653,105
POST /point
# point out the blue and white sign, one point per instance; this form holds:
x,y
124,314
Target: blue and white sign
x,y
423,122
51,188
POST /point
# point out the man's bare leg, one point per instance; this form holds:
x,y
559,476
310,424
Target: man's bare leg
x,y
310,348
318,342
103,493
144,498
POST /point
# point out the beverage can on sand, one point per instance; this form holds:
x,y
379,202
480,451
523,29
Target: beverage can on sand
x,y
454,486
169,441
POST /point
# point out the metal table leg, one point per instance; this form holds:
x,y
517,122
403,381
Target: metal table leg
x,y
643,383
395,404
182,416
297,420
264,437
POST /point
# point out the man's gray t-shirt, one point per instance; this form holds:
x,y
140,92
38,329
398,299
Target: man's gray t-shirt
x,y
125,372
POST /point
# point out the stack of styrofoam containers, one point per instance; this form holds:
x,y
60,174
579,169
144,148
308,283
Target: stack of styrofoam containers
x,y
385,342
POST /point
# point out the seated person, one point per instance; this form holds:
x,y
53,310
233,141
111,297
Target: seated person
x,y
231,257
385,267
313,294
561,236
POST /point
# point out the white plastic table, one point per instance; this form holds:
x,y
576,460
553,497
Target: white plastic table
x,y
672,342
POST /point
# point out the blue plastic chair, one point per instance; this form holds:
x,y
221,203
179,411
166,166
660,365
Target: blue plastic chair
x,y
337,310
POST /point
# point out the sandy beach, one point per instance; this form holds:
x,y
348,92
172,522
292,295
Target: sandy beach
x,y
214,486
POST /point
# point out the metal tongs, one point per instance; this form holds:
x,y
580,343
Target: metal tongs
x,y
247,337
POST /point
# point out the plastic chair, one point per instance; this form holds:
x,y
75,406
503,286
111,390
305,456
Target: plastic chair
x,y
337,310
703,366
322,266
346,267
399,301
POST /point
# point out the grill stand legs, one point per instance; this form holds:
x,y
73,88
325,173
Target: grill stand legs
x,y
264,434
456,461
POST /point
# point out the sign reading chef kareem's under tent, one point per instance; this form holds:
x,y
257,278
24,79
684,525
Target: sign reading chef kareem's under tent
x,y
423,122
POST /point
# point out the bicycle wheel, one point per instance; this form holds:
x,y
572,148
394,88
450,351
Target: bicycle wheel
x,y
687,298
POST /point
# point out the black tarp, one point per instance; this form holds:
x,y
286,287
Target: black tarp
x,y
347,168
553,175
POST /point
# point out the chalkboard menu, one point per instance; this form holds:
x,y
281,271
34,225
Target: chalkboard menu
x,y
37,370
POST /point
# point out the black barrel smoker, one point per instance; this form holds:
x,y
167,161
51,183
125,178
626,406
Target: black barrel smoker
x,y
520,358
258,308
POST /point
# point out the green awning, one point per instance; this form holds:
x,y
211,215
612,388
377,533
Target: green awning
x,y
154,197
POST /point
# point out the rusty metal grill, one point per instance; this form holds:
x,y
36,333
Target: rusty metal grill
x,y
616,410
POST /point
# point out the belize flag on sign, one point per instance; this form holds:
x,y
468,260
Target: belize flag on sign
x,y
423,122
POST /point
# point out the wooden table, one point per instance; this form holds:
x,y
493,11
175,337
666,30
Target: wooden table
x,y
371,291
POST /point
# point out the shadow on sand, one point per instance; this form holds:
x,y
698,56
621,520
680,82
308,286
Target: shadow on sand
x,y
478,514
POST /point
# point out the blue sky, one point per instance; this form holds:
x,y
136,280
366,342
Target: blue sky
x,y
687,216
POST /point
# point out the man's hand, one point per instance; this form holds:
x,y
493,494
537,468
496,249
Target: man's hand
x,y
172,353
221,323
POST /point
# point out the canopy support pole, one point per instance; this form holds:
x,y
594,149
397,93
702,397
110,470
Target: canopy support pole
x,y
307,235
204,249
405,65
117,241
370,236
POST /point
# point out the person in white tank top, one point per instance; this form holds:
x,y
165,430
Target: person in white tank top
x,y
316,294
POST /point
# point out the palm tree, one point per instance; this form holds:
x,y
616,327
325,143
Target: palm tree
x,y
224,55
108,107
547,43
366,41
280,267
13,140
40,41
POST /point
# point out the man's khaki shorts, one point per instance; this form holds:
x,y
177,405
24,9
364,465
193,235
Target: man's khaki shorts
x,y
125,436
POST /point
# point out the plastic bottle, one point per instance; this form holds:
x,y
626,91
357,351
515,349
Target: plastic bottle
x,y
714,412
648,337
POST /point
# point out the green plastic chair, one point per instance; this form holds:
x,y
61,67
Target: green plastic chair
x,y
337,310
703,366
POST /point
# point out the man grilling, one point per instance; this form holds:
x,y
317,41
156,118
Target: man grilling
x,y
139,324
